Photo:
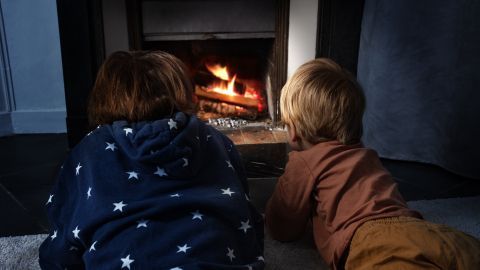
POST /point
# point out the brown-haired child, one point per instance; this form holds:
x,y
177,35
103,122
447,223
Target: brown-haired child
x,y
152,187
359,218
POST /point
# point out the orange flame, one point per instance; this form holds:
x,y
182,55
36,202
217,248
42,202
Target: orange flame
x,y
226,84
218,71
220,86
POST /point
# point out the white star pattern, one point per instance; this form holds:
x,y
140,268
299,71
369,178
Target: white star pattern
x,y
89,192
249,267
126,262
160,172
73,248
127,131
49,199
132,174
76,232
229,164
246,197
208,137
172,124
230,254
260,258
175,195
227,192
77,169
185,162
196,215
245,226
54,235
183,248
92,247
198,138
110,146
176,268
119,206
142,223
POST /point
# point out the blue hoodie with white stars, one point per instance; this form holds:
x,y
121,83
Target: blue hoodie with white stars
x,y
168,194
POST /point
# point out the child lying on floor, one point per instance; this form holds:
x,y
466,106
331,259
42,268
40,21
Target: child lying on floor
x,y
359,219
152,187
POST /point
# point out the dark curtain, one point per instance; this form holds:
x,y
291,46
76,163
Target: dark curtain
x,y
419,65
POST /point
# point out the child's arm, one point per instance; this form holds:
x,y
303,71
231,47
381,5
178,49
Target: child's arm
x,y
288,209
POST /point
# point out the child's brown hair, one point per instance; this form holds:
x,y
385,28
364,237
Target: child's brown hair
x,y
323,102
139,86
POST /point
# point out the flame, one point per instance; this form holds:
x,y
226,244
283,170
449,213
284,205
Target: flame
x,y
221,86
218,71
226,84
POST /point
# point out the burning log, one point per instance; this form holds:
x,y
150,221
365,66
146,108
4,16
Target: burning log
x,y
237,100
226,109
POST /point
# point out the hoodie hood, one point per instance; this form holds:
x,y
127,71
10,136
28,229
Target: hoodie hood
x,y
173,144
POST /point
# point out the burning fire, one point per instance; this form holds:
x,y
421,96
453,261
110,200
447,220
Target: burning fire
x,y
226,84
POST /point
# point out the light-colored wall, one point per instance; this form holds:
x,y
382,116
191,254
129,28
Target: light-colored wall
x,y
302,33
32,62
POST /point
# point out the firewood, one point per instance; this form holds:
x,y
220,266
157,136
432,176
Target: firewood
x,y
238,100
227,110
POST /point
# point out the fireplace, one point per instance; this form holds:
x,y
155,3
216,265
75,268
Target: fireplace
x,y
235,52
244,33
248,38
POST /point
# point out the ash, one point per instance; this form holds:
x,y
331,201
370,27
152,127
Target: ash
x,y
228,122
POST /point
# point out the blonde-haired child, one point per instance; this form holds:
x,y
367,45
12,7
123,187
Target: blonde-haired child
x,y
334,183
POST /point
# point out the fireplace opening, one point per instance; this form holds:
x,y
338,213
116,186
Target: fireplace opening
x,y
235,51
231,76
245,40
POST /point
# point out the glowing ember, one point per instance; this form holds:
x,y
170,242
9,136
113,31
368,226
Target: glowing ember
x,y
251,93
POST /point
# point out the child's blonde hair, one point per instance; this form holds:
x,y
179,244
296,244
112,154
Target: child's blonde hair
x,y
323,102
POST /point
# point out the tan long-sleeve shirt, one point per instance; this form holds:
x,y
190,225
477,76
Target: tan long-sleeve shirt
x,y
337,187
